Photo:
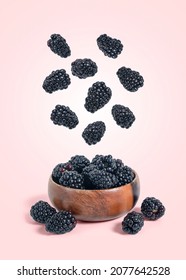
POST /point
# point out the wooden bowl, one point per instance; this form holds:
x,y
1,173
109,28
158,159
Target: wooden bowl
x,y
95,205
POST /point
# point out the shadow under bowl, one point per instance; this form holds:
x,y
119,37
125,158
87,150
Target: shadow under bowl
x,y
95,205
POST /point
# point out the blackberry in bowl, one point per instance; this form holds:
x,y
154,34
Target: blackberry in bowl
x,y
103,190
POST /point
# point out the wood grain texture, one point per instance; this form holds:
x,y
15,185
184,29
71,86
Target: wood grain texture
x,y
95,205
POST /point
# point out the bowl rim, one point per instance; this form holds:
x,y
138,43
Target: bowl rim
x,y
136,178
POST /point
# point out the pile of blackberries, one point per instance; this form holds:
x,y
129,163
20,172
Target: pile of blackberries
x,y
98,95
55,222
102,172
151,209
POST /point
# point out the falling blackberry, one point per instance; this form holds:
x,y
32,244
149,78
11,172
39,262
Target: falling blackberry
x,y
123,116
133,222
79,162
71,179
57,80
63,115
98,96
152,208
84,68
94,132
60,223
42,211
59,169
111,47
125,175
131,80
58,45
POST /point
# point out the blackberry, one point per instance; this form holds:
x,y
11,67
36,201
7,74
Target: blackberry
x,y
71,179
152,208
98,96
119,163
123,116
105,162
96,159
111,47
63,115
84,68
125,175
58,45
42,211
86,178
79,162
133,222
60,223
94,132
57,80
59,169
114,179
100,179
131,80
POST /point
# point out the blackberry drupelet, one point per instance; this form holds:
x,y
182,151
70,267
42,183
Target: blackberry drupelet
x,y
125,175
94,132
71,179
79,162
60,223
133,222
98,96
152,208
63,115
130,79
59,169
100,179
123,116
111,47
84,68
42,211
57,80
58,45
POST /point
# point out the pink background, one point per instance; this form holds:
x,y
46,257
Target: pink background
x,y
153,34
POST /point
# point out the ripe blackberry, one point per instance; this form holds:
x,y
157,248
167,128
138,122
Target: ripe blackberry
x,y
105,162
84,68
59,169
100,179
57,80
125,175
79,162
98,96
119,163
71,179
63,115
85,173
131,80
60,223
42,211
123,116
133,222
152,208
114,179
111,47
58,45
94,132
